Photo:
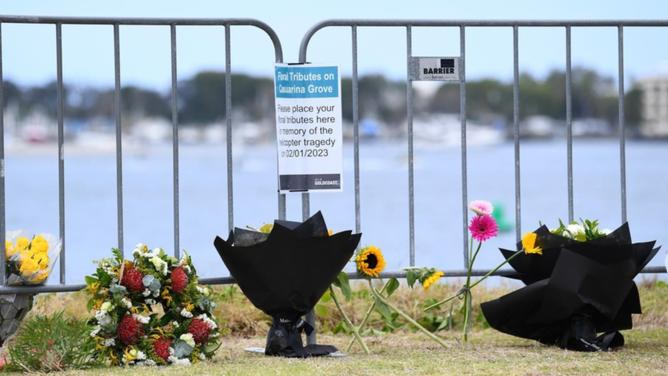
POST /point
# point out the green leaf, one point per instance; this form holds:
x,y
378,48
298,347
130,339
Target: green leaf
x,y
90,279
392,286
384,310
343,283
411,277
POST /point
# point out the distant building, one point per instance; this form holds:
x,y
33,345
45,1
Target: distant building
x,y
655,106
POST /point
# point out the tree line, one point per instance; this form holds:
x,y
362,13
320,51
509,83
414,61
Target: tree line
x,y
201,99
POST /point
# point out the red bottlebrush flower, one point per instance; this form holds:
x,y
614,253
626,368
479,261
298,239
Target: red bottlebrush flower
x,y
132,279
179,280
129,330
200,330
161,347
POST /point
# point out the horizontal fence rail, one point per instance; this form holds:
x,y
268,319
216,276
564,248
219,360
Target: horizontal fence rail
x,y
116,24
408,26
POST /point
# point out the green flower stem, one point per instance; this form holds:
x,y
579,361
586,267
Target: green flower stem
x,y
468,297
366,317
407,317
356,333
460,292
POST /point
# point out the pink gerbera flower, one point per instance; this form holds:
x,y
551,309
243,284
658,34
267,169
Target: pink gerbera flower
x,y
481,207
483,227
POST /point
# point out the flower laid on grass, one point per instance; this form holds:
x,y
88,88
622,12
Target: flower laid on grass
x,y
482,228
370,262
151,310
30,259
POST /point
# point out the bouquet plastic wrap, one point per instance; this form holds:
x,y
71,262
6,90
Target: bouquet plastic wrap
x,y
30,259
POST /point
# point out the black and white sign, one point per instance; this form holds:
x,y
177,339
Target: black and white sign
x,y
308,127
435,68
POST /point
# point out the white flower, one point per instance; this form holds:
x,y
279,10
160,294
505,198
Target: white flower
x,y
185,313
95,330
106,307
574,229
140,355
126,303
156,293
109,342
149,362
159,264
203,290
188,338
182,362
140,250
210,323
102,317
146,292
150,301
142,319
175,324
202,356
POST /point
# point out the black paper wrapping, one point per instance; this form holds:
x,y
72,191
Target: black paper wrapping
x,y
575,290
284,274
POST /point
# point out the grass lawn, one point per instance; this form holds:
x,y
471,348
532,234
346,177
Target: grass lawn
x,y
488,353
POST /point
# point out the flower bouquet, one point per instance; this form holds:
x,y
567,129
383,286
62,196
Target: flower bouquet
x,y
150,311
284,271
30,259
579,283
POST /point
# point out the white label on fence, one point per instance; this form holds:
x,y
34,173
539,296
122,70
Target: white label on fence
x,y
308,127
435,68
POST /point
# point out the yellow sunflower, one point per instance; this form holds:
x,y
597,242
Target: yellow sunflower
x,y
529,244
432,279
370,261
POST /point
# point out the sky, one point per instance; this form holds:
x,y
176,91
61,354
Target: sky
x,y
29,50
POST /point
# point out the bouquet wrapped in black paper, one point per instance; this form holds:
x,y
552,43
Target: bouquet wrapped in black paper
x,y
579,283
285,272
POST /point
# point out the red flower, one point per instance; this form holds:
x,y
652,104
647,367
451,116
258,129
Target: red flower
x,y
132,279
161,347
129,330
179,280
200,330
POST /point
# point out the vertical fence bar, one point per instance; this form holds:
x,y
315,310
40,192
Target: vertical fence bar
x,y
175,144
356,133
2,171
119,138
462,118
569,124
281,206
228,127
516,133
61,157
622,129
409,120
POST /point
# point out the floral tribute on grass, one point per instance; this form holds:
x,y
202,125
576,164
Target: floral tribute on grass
x,y
580,292
370,263
482,228
150,311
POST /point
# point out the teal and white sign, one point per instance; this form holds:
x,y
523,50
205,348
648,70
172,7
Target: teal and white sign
x,y
308,127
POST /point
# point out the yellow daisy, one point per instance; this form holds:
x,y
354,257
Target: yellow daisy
x,y
529,244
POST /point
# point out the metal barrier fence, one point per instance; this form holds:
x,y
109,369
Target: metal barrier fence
x,y
116,24
462,26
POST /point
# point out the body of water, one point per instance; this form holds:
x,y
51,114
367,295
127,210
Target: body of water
x,y
90,194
